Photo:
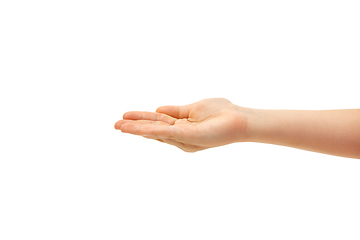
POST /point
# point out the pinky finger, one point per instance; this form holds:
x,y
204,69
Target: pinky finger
x,y
182,146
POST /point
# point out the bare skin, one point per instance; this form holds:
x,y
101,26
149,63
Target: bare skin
x,y
216,122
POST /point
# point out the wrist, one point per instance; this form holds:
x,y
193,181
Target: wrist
x,y
254,120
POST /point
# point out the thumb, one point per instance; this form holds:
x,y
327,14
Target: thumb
x,y
175,111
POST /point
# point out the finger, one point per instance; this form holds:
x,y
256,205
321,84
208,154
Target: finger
x,y
182,146
175,111
172,142
119,123
148,129
153,116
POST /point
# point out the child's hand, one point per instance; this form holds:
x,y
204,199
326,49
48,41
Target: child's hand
x,y
204,124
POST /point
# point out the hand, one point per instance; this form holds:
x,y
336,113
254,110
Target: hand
x,y
201,125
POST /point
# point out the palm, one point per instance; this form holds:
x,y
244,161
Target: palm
x,y
201,125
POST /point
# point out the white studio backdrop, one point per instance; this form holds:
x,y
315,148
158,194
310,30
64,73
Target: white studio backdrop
x,y
70,69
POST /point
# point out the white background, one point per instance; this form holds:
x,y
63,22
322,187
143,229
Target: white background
x,y
70,69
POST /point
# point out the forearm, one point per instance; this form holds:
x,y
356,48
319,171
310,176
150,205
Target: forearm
x,y
335,132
